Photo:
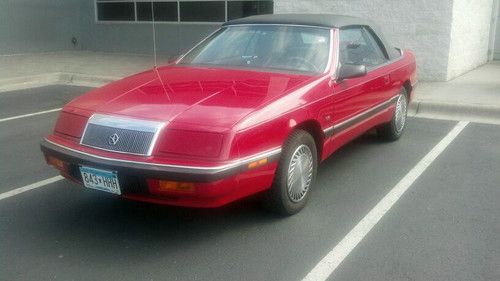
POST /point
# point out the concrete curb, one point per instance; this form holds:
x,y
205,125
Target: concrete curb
x,y
455,111
55,78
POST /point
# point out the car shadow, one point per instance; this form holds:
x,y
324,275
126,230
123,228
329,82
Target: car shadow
x,y
98,220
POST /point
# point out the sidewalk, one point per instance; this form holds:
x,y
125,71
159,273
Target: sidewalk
x,y
73,67
474,96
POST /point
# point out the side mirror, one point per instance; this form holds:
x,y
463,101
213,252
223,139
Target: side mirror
x,y
347,71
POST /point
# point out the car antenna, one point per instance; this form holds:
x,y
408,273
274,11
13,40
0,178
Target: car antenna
x,y
154,33
155,66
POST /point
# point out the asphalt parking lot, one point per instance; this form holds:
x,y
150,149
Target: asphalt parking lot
x,y
446,226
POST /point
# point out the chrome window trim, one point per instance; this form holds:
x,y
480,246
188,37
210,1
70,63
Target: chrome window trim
x,y
126,123
210,170
336,63
330,52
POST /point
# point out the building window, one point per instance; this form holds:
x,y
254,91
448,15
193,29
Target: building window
x,y
115,11
164,11
202,11
241,9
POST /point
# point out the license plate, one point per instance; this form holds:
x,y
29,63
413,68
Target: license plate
x,y
100,179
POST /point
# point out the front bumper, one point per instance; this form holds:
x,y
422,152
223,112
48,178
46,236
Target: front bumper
x,y
214,186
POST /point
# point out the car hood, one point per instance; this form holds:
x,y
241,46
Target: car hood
x,y
197,95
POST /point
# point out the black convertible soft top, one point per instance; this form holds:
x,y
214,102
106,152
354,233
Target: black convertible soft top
x,y
318,20
321,20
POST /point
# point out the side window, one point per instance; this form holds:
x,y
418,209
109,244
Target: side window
x,y
357,46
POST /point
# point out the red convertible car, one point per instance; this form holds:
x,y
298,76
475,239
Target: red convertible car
x,y
253,108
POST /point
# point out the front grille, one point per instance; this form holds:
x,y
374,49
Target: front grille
x,y
128,141
121,134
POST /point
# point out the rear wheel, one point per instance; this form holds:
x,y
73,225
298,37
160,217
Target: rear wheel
x,y
394,129
295,174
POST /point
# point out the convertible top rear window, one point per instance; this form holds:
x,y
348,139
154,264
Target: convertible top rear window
x,y
272,47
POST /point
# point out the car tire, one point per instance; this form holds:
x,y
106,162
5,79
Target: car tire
x,y
295,174
393,130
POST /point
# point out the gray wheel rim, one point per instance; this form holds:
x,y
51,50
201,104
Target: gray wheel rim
x,y
400,118
300,172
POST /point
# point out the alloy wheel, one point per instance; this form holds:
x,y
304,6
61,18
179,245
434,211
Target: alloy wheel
x,y
300,173
400,117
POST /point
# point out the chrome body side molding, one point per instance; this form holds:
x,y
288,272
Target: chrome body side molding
x,y
330,131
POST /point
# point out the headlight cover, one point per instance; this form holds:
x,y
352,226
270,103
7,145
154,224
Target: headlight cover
x,y
70,125
190,143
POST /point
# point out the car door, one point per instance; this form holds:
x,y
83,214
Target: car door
x,y
355,96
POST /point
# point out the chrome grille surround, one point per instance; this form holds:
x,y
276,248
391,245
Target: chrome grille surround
x,y
121,134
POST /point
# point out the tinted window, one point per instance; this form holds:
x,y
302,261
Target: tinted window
x,y
144,11
240,9
120,11
164,11
203,11
289,48
357,46
185,11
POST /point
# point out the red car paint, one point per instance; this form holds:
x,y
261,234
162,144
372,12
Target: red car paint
x,y
229,116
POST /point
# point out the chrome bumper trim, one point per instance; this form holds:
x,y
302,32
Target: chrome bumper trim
x,y
166,167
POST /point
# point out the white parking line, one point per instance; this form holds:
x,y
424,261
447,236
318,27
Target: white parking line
x,y
29,114
333,259
29,187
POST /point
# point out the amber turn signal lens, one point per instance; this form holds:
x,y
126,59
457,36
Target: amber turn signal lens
x,y
257,163
174,185
165,186
56,162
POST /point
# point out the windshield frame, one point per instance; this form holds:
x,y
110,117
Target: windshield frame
x,y
325,71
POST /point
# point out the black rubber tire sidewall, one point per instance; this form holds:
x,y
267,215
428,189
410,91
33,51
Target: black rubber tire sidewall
x,y
278,198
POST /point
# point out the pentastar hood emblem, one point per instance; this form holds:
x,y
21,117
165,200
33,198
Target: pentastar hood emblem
x,y
113,139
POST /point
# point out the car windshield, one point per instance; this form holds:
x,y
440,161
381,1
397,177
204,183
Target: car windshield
x,y
270,47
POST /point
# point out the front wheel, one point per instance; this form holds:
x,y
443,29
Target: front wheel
x,y
295,174
394,129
